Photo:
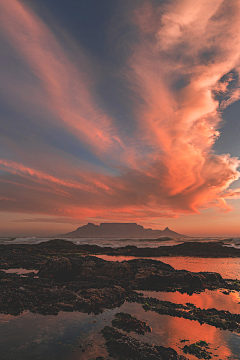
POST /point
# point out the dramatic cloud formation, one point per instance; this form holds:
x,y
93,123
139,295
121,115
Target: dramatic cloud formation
x,y
67,89
181,73
190,50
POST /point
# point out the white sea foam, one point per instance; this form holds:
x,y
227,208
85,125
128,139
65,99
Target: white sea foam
x,y
119,242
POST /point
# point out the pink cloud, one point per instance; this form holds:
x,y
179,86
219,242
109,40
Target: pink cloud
x,y
184,43
68,89
198,42
86,182
232,194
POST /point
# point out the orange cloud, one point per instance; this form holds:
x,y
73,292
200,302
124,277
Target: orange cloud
x,y
68,89
232,194
86,181
174,73
195,45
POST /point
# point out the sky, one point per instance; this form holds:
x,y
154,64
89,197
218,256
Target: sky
x,y
119,111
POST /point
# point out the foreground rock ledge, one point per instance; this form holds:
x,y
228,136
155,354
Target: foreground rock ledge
x,y
90,284
222,319
19,253
121,346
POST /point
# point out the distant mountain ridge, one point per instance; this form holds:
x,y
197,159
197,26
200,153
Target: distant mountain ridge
x,y
119,230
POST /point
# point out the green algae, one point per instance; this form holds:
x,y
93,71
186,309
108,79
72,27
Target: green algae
x,y
198,349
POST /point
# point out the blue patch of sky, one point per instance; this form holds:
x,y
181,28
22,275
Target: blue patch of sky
x,y
91,23
25,131
3,172
114,97
180,82
232,85
228,142
86,20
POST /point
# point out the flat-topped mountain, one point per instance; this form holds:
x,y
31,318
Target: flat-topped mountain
x,y
119,230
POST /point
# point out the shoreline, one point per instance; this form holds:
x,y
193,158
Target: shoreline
x,y
67,277
211,249
59,263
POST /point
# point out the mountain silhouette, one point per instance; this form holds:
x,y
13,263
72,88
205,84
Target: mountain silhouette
x,y
119,230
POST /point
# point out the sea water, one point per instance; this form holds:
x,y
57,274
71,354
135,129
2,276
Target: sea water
x,y
120,242
63,337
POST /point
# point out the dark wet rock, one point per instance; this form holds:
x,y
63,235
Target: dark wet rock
x,y
125,347
138,274
155,275
60,268
129,323
225,292
57,244
99,299
12,255
116,270
197,248
69,281
198,349
48,296
222,319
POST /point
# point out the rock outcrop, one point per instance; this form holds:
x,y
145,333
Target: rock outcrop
x,y
121,346
87,283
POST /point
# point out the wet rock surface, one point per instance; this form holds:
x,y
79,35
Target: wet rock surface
x,y
45,296
200,349
125,347
214,249
222,319
91,284
67,280
14,255
129,323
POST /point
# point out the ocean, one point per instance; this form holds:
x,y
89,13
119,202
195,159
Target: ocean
x,y
115,242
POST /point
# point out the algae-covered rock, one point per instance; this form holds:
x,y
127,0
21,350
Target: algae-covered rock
x,y
124,347
199,349
129,323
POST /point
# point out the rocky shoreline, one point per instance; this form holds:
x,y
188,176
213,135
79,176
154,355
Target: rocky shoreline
x,y
57,247
65,279
68,279
122,347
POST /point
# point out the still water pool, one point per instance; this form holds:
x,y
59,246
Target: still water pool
x,y
74,335
227,267
30,336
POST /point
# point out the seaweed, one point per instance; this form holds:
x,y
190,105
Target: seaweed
x,y
199,349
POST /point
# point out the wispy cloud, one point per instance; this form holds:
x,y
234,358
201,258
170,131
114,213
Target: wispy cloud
x,y
232,194
6,199
48,220
174,69
68,89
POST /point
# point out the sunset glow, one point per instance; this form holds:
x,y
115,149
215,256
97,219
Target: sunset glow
x,y
128,131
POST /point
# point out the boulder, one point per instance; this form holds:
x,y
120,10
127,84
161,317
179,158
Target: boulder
x,y
59,268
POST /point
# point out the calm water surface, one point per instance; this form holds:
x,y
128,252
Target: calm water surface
x,y
205,300
37,337
228,267
30,336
